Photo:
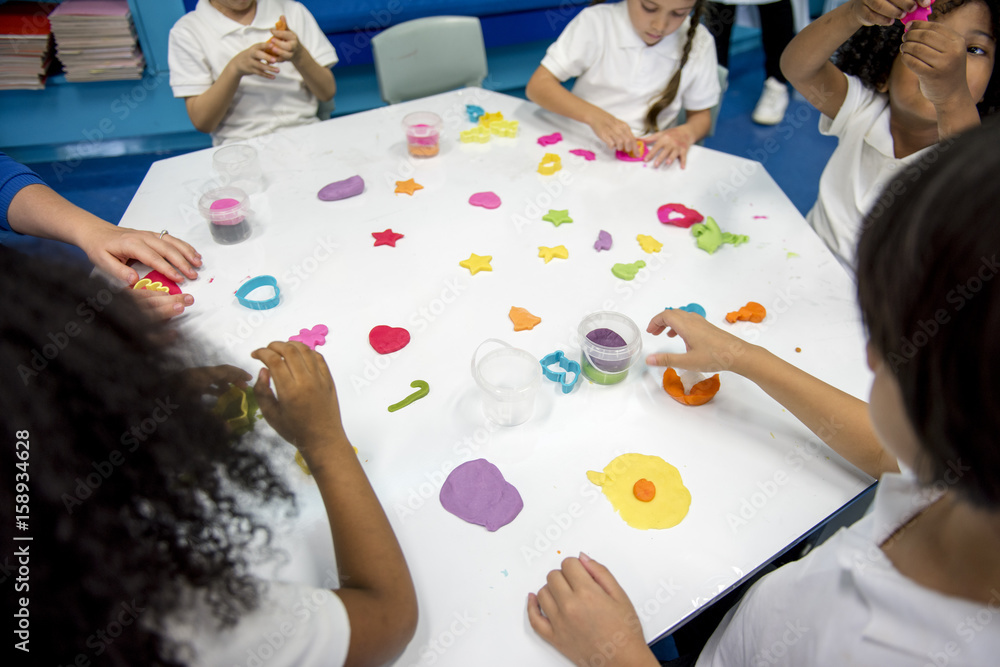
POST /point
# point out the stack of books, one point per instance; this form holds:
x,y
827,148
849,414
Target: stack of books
x,y
96,41
25,45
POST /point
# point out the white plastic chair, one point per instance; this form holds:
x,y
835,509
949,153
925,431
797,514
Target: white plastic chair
x,y
428,56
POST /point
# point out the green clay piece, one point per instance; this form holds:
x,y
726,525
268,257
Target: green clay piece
x,y
422,389
791,254
557,217
709,237
627,271
238,407
598,376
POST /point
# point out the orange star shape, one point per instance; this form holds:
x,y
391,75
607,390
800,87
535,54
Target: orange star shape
x,y
408,187
477,263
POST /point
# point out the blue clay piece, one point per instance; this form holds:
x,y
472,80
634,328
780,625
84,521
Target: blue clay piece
x,y
349,187
692,308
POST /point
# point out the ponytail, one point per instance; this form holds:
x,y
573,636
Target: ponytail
x,y
670,92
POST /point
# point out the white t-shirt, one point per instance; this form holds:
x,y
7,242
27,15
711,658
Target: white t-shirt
x,y
294,625
203,42
845,604
860,167
616,71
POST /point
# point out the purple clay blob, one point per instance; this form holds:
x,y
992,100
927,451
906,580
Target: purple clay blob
x,y
349,187
477,492
603,241
608,338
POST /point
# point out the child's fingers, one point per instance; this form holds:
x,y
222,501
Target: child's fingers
x,y
603,577
538,622
682,155
663,320
265,395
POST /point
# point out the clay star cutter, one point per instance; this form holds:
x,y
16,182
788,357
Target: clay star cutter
x,y
568,366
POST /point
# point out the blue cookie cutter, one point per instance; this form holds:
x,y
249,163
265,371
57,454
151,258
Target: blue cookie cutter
x,y
474,112
254,283
568,365
692,308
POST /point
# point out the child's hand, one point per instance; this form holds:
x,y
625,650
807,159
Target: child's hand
x,y
215,380
285,45
160,305
306,414
255,61
615,133
669,145
883,12
587,615
937,55
709,348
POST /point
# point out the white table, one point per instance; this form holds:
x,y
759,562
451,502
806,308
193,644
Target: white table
x,y
758,478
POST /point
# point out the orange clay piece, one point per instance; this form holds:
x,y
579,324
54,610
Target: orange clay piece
x,y
644,490
522,319
752,312
640,149
280,25
423,151
700,394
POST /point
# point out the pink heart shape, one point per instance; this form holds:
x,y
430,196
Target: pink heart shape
x,y
485,199
157,277
386,339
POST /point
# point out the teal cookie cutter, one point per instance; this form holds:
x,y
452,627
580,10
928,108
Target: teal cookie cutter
x,y
568,366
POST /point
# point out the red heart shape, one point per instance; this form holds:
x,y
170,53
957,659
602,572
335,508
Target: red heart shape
x,y
157,277
387,339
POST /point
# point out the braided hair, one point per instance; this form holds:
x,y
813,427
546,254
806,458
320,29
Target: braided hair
x,y
870,53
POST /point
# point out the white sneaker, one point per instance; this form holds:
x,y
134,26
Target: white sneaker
x,y
773,102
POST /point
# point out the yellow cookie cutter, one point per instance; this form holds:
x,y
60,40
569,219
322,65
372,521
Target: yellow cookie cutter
x,y
479,134
148,284
504,128
488,118
550,164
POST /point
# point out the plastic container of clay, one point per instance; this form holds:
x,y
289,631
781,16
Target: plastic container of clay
x,y
610,344
423,133
227,211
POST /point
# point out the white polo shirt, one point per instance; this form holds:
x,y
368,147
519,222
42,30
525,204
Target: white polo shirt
x,y
618,72
203,42
860,167
845,604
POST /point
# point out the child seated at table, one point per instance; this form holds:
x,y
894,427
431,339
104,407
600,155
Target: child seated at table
x,y
888,95
145,514
226,63
909,584
622,55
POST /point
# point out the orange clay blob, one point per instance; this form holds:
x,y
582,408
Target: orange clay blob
x,y
752,312
644,490
700,394
280,25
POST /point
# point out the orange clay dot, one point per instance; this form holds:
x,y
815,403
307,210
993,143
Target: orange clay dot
x,y
644,490
798,349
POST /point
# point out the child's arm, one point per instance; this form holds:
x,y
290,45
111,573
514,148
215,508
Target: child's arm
x,y
208,109
376,590
545,90
318,79
667,145
837,418
806,60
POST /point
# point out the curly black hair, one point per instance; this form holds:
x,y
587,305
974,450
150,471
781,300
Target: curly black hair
x,y
871,51
132,491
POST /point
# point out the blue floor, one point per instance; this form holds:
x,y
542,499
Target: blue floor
x,y
793,152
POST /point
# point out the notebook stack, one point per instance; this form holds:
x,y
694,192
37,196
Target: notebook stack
x,y
96,40
25,45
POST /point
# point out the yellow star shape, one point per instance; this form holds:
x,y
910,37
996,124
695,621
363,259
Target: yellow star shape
x,y
477,263
408,187
548,253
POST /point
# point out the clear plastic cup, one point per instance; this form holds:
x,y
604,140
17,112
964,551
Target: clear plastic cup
x,y
509,379
423,133
607,363
227,211
238,166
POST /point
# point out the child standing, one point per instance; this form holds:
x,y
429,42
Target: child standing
x,y
917,581
890,95
637,64
224,61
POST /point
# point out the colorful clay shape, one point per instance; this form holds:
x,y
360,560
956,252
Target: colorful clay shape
x,y
918,14
700,394
550,139
752,312
692,308
547,253
557,217
385,339
709,237
312,337
550,164
603,241
479,134
349,187
422,389
585,154
408,187
477,492
149,285
388,237
157,277
477,263
474,112
638,156
522,319
678,215
627,271
644,490
485,200
648,243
